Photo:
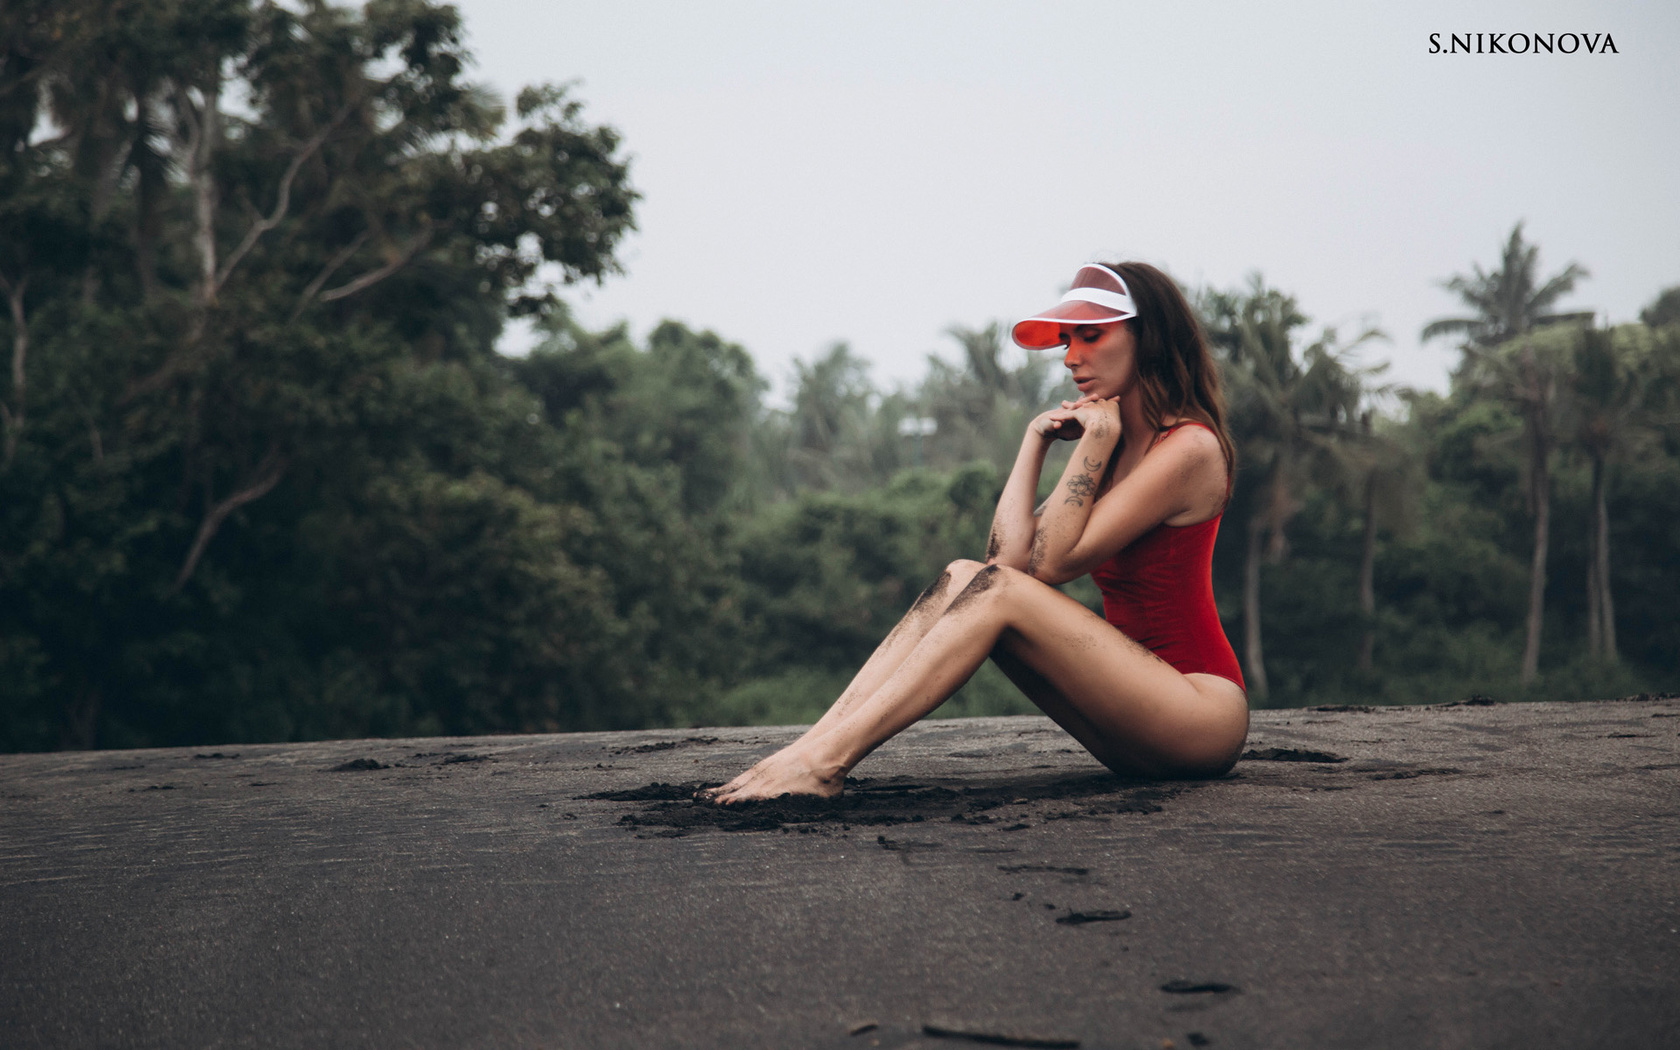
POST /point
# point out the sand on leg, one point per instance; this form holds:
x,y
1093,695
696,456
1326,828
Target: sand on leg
x,y
1131,710
924,612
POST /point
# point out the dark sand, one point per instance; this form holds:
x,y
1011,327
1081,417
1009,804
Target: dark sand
x,y
1466,876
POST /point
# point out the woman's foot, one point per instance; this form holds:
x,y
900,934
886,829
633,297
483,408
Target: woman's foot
x,y
794,770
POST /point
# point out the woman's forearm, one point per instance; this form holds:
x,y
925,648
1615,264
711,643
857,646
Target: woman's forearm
x,y
1013,525
1068,509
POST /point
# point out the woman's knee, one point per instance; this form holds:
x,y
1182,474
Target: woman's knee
x,y
949,584
965,581
961,571
988,583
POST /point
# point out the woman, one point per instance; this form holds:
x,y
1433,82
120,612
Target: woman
x,y
1152,688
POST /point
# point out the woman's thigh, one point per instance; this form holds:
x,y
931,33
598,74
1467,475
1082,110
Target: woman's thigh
x,y
1133,711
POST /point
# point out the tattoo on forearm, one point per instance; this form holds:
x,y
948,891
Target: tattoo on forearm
x,y
1092,465
1079,487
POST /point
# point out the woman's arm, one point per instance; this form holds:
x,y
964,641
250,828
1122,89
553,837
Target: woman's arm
x,y
1182,477
1069,508
1014,523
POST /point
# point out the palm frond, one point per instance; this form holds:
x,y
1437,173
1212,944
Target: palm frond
x,y
1557,287
1453,326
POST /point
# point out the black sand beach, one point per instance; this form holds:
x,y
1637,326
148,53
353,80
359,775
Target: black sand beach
x,y
1452,876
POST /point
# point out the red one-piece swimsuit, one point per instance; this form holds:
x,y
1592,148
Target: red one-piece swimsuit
x,y
1159,592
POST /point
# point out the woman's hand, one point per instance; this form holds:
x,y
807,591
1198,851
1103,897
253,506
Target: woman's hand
x,y
1097,416
1074,418
1058,424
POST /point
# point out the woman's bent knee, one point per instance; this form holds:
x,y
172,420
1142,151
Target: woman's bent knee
x,y
950,583
970,583
959,574
982,587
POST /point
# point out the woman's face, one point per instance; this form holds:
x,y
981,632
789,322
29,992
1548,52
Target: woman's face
x,y
1101,357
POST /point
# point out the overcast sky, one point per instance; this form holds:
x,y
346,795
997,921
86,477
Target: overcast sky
x,y
875,172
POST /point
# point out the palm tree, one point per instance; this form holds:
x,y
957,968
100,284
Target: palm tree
x,y
1288,410
1613,372
981,406
832,404
1384,475
1510,303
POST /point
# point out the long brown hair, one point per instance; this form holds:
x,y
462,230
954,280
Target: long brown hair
x,y
1176,372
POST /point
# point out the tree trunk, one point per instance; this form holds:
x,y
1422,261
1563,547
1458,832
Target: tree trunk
x,y
1254,660
203,183
1595,593
267,475
151,189
13,415
1603,604
1281,504
1536,594
1540,493
1367,572
111,168
80,731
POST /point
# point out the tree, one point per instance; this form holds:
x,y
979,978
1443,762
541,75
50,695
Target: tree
x,y
833,401
1664,309
1288,410
1510,303
695,398
1383,470
1613,377
243,332
982,405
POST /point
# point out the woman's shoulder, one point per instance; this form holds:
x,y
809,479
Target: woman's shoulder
x,y
1190,436
1191,451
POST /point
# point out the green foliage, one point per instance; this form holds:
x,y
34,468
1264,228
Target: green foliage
x,y
1451,585
1663,311
263,476
830,574
981,406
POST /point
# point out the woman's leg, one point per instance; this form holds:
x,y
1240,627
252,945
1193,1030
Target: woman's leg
x,y
892,651
1133,711
928,607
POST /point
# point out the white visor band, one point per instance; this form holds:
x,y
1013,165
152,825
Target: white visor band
x,y
1118,301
